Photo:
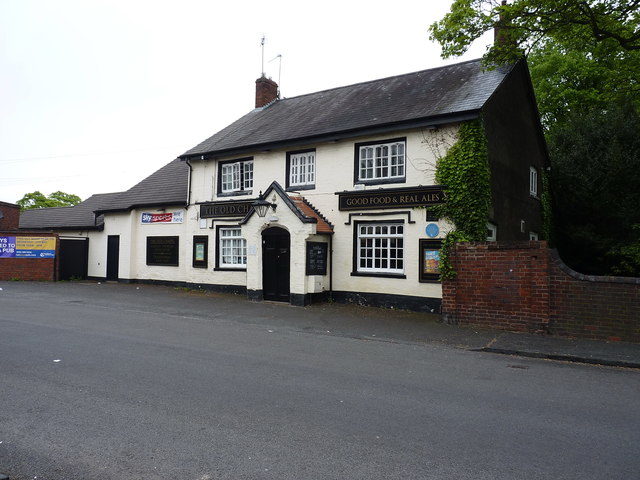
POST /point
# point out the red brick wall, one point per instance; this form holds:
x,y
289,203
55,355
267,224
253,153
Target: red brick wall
x,y
11,216
499,285
594,307
526,287
33,269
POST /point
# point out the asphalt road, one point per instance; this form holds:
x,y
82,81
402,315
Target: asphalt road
x,y
123,382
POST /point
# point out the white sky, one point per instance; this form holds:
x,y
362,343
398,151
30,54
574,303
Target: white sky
x,y
95,95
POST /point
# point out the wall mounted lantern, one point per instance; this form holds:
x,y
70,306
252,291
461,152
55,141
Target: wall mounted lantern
x,y
261,206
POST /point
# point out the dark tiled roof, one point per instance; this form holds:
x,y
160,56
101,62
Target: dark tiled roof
x,y
80,216
390,102
167,186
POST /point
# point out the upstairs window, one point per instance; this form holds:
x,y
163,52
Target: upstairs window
x,y
381,162
533,182
301,169
236,177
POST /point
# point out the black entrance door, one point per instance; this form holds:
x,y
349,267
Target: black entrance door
x,y
74,259
275,264
113,256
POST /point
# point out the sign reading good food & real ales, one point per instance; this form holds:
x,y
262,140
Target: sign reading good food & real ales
x,y
391,198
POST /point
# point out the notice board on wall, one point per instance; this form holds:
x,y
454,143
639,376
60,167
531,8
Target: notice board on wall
x,y
162,251
316,258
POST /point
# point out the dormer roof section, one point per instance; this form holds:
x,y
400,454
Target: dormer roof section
x,y
305,212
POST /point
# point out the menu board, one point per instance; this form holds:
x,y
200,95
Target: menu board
x,y
162,251
316,258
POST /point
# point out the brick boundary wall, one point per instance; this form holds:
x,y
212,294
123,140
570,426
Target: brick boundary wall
x,y
595,307
526,287
30,269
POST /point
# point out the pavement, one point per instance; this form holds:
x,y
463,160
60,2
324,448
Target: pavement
x,y
355,321
401,326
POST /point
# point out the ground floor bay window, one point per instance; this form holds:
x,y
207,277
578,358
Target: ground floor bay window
x,y
379,249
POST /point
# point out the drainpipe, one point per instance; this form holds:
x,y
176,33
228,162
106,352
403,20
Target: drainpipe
x,y
189,182
331,268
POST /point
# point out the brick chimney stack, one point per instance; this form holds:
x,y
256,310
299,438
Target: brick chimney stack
x,y
499,35
266,91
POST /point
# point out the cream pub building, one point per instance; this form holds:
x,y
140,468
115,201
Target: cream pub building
x,y
326,195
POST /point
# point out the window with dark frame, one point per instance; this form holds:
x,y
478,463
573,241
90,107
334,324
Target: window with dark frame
x,y
231,248
301,170
379,248
380,162
429,255
200,251
235,177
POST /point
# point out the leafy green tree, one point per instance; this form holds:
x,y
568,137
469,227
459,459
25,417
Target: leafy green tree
x,y
524,24
569,78
56,199
595,178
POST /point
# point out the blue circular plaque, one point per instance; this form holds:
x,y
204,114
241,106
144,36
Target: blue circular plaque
x,y
432,230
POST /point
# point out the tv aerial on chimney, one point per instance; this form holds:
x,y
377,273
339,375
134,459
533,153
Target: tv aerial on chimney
x,y
279,57
262,41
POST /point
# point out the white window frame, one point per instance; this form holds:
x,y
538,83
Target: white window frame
x,y
380,248
302,169
492,232
533,182
236,176
533,236
384,161
232,248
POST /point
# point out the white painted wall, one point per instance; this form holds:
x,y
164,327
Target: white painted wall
x,y
334,173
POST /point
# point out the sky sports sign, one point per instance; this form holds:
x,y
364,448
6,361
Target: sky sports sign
x,y
27,247
168,217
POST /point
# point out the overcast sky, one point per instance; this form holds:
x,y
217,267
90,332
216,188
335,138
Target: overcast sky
x,y
97,95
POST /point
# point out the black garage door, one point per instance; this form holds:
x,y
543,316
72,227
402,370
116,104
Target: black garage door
x,y
74,259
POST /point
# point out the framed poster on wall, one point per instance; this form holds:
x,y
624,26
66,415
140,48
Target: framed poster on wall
x,y
429,256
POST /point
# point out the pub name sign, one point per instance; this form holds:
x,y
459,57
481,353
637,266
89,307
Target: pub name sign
x,y
225,209
391,198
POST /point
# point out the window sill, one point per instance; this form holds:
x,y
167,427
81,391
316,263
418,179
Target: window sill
x,y
295,188
381,181
234,194
229,269
379,275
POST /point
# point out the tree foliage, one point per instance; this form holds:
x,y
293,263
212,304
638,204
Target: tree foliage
x,y
56,199
524,24
569,78
596,173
